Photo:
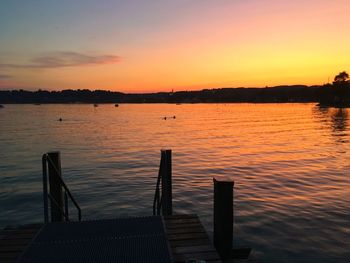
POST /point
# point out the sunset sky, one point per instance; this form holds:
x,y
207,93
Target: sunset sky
x,y
160,45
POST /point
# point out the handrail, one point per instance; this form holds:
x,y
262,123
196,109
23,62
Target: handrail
x,y
65,188
157,201
64,184
45,194
58,206
67,193
162,202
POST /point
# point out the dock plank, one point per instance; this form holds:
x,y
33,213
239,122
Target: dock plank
x,y
13,240
188,239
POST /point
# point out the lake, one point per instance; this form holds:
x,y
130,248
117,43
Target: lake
x,y
290,164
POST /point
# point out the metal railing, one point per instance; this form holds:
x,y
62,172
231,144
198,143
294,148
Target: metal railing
x,y
157,201
162,202
46,160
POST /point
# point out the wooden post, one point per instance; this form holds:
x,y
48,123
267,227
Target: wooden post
x,y
167,195
223,216
54,165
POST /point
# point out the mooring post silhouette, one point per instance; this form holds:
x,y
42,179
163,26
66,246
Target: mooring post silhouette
x,y
223,216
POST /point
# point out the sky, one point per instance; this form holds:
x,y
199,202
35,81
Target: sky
x,y
163,45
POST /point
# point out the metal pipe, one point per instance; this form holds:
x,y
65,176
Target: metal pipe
x,y
53,201
156,200
63,184
66,205
46,207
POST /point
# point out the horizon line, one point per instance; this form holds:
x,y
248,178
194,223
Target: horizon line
x,y
31,89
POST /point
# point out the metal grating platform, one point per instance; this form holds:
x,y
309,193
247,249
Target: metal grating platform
x,y
116,240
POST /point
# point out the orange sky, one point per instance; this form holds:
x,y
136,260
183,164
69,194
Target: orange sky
x,y
137,46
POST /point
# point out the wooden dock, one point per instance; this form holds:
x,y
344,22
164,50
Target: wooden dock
x,y
186,235
188,239
13,240
182,238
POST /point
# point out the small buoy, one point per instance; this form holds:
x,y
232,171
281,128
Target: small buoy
x,y
1,106
116,105
164,118
60,119
174,117
95,105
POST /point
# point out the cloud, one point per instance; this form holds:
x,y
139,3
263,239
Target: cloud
x,y
63,59
5,76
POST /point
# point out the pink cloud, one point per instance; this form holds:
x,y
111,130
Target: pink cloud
x,y
64,59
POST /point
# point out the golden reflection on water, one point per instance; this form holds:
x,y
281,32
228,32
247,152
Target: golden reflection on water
x,y
338,120
290,164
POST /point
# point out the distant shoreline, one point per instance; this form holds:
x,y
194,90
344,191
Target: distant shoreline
x,y
326,96
179,104
171,103
278,94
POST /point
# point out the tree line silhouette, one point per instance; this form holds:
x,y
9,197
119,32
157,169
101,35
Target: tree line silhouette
x,y
337,93
329,94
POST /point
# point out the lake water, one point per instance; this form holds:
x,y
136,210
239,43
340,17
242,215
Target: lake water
x,y
290,164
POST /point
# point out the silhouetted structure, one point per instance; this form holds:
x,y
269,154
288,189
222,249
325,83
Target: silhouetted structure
x,y
157,238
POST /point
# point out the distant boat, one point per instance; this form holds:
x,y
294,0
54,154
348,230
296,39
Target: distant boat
x,y
37,104
1,106
116,105
178,103
95,105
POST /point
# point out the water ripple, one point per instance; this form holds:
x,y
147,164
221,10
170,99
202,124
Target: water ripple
x,y
289,163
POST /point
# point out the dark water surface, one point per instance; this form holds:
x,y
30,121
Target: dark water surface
x,y
290,164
